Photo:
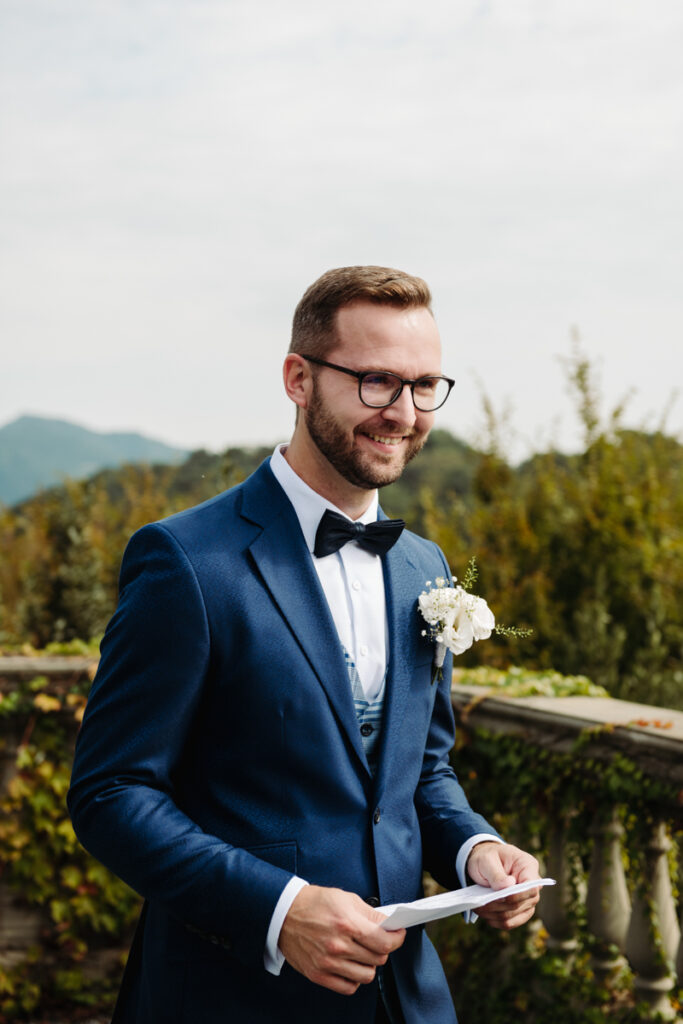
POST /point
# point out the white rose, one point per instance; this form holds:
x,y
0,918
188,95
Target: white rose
x,y
482,618
458,634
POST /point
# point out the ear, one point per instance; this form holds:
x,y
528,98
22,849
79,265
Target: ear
x,y
296,375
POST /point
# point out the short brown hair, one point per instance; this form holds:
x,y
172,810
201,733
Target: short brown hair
x,y
313,328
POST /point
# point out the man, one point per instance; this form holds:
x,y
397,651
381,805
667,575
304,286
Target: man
x,y
264,756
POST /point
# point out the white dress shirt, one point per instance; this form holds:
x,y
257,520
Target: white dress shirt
x,y
353,583
351,578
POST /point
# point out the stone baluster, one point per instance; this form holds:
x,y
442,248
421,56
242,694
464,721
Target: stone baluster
x,y
557,900
607,903
653,933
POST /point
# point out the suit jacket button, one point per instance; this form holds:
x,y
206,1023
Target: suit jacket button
x,y
376,817
372,901
366,729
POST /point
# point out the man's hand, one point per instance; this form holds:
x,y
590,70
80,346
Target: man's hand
x,y
335,940
498,865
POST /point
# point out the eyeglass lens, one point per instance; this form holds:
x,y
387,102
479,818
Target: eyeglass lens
x,y
381,389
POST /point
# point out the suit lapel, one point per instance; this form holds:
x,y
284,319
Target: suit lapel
x,y
403,582
284,563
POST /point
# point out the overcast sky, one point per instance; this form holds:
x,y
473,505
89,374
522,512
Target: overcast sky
x,y
174,175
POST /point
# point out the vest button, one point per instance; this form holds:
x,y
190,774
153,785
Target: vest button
x,y
372,901
366,729
376,817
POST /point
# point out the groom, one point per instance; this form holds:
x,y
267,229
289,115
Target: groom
x,y
264,756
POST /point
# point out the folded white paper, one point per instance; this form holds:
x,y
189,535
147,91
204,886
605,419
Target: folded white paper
x,y
403,915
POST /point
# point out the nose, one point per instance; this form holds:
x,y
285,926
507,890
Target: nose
x,y
403,409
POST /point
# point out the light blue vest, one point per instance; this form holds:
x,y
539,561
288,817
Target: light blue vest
x,y
368,713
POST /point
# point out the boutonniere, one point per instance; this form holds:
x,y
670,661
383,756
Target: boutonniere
x,y
456,618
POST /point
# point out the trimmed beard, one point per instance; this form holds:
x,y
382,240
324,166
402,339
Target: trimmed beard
x,y
353,465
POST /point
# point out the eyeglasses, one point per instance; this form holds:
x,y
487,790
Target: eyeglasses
x,y
379,389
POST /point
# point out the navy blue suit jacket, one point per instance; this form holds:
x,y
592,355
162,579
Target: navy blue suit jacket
x,y
220,754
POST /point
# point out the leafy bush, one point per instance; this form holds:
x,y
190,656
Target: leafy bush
x,y
85,910
587,550
522,682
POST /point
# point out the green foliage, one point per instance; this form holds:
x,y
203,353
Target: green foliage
x,y
515,784
471,575
498,977
60,554
585,549
523,682
84,908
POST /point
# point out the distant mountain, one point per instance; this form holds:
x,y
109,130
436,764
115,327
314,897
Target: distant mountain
x,y
36,452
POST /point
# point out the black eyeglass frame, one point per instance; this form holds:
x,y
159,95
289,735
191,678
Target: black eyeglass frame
x,y
360,376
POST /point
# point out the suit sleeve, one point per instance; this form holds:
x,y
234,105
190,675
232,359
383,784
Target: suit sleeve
x,y
154,663
446,818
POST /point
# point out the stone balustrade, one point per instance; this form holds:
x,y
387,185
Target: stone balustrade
x,y
632,919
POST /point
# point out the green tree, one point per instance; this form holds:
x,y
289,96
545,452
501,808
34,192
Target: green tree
x,y
586,549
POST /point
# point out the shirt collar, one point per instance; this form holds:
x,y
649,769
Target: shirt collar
x,y
308,504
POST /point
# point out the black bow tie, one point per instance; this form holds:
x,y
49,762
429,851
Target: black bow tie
x,y
334,531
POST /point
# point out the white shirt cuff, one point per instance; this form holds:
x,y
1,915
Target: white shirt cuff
x,y
461,864
273,958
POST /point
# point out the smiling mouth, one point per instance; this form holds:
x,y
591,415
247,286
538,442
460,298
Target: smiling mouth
x,y
391,439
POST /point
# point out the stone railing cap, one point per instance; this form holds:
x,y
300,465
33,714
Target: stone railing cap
x,y
652,736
